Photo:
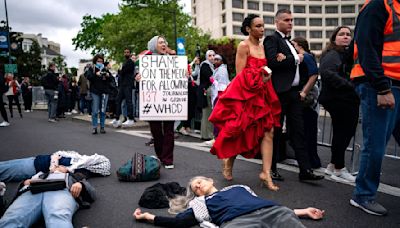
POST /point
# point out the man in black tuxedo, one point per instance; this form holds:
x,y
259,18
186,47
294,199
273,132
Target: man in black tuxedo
x,y
288,79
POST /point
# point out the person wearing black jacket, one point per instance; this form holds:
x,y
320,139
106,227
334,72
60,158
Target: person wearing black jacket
x,y
100,79
289,75
339,98
3,89
125,87
56,207
50,85
26,90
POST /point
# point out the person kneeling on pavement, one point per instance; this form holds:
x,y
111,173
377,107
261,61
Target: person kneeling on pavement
x,y
56,206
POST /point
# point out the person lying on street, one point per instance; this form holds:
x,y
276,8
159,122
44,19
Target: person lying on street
x,y
232,206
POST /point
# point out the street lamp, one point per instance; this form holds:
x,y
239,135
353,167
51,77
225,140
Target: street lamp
x,y
173,12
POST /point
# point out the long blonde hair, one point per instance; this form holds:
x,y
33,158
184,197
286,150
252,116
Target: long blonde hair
x,y
181,203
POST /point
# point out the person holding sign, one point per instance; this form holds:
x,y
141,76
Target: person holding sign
x,y
249,109
162,131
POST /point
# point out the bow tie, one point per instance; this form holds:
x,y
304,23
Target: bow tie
x,y
287,38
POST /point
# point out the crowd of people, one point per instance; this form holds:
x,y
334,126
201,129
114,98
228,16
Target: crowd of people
x,y
276,87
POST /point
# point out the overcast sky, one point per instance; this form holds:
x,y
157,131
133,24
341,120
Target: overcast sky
x,y
58,20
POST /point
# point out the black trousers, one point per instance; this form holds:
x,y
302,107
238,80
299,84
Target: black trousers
x,y
192,101
293,110
311,134
27,101
344,117
124,92
2,109
12,98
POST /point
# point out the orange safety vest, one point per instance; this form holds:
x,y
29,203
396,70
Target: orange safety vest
x,y
391,44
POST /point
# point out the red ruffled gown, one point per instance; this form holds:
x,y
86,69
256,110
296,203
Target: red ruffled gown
x,y
244,112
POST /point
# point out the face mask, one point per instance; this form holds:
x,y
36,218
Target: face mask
x,y
100,66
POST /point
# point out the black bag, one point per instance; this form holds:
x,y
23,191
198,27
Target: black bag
x,y
48,182
156,196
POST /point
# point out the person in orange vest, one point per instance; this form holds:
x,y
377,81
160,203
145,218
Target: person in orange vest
x,y
377,76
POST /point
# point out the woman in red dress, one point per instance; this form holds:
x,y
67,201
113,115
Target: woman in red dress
x,y
249,109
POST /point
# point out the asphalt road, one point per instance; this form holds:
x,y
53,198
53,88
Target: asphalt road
x,y
116,201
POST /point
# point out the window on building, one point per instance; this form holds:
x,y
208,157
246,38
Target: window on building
x,y
315,22
269,20
348,21
237,17
283,6
315,9
299,9
316,46
300,21
194,10
331,9
195,21
268,32
223,18
331,22
348,9
301,33
223,4
315,34
25,47
268,7
224,31
237,4
328,33
252,5
236,30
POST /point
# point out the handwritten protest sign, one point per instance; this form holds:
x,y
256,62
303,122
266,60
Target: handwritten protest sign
x,y
163,89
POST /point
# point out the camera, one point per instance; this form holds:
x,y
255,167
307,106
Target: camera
x,y
103,73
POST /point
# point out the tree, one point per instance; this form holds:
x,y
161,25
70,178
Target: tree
x,y
135,25
226,46
30,63
60,63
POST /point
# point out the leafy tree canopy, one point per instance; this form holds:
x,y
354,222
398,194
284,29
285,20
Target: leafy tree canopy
x,y
136,23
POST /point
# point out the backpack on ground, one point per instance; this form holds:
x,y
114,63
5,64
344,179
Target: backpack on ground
x,y
140,168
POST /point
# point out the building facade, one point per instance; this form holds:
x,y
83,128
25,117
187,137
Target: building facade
x,y
313,19
49,49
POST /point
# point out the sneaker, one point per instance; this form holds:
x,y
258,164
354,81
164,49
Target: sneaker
x,y
169,166
150,143
183,131
330,169
68,113
4,124
94,131
210,142
128,123
371,207
102,131
74,111
117,123
52,120
343,176
27,111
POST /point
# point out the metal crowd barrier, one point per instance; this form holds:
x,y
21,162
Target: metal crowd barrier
x,y
325,139
39,100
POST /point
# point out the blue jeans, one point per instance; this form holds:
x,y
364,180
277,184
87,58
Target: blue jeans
x,y
57,208
17,169
51,103
377,126
99,105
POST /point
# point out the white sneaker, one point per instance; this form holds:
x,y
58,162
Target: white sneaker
x,y
330,169
183,131
52,120
169,166
27,111
68,113
4,124
74,111
128,123
116,123
210,143
343,176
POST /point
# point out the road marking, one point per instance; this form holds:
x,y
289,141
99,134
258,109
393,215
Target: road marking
x,y
384,188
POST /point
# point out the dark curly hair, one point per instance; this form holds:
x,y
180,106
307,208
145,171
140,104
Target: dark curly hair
x,y
247,23
96,57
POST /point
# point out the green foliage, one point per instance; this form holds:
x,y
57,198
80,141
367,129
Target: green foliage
x,y
60,63
136,23
30,63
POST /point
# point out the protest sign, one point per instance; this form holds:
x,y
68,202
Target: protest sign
x,y
163,88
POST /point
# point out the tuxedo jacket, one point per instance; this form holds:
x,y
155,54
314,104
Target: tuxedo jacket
x,y
283,72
